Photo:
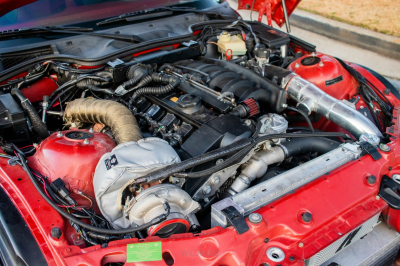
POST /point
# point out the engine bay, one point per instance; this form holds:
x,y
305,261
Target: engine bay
x,y
170,141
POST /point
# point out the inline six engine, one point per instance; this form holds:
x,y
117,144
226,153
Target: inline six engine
x,y
169,144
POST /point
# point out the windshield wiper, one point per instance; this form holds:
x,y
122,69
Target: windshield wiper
x,y
158,12
69,30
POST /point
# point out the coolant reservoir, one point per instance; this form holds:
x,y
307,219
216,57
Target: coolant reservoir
x,y
232,42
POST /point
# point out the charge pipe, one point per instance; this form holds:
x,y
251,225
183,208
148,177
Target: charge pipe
x,y
258,164
255,168
310,98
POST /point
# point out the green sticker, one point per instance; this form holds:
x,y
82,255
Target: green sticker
x,y
143,252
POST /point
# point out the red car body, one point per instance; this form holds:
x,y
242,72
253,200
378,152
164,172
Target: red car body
x,y
339,201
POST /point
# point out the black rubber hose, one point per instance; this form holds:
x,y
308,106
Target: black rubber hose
x,y
86,84
320,145
174,81
94,80
221,166
304,115
189,163
246,144
30,79
271,71
245,151
296,118
39,127
79,222
137,73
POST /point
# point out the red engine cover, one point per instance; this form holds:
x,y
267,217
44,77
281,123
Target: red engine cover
x,y
72,159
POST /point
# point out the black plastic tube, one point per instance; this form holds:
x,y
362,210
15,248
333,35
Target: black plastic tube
x,y
39,127
246,144
305,116
320,145
172,83
296,118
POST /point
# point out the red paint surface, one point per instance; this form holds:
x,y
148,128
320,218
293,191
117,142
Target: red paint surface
x,y
72,161
37,90
276,8
339,202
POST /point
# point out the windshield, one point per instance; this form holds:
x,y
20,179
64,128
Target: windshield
x,y
64,12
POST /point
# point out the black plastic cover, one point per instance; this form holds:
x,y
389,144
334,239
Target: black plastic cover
x,y
218,132
13,123
270,37
389,192
17,244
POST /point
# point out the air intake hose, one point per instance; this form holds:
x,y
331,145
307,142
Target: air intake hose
x,y
39,127
171,81
115,115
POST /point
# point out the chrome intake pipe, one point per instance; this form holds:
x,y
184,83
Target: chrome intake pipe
x,y
310,98
255,168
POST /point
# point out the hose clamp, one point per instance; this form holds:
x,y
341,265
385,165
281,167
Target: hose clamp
x,y
285,150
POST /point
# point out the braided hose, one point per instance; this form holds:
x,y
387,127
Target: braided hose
x,y
143,82
174,81
113,114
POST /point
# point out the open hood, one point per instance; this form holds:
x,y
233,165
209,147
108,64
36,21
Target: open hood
x,y
9,5
276,8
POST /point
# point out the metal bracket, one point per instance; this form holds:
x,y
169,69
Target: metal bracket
x,y
236,219
265,8
13,161
368,148
115,63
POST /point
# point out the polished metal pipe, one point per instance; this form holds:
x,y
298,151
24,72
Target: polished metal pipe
x,y
310,98
255,168
285,13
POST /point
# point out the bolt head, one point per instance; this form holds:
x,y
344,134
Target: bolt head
x,y
377,197
371,179
255,218
301,245
56,232
219,161
59,134
206,190
86,141
321,64
306,217
215,180
297,65
384,147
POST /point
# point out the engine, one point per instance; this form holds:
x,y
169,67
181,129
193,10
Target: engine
x,y
168,142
